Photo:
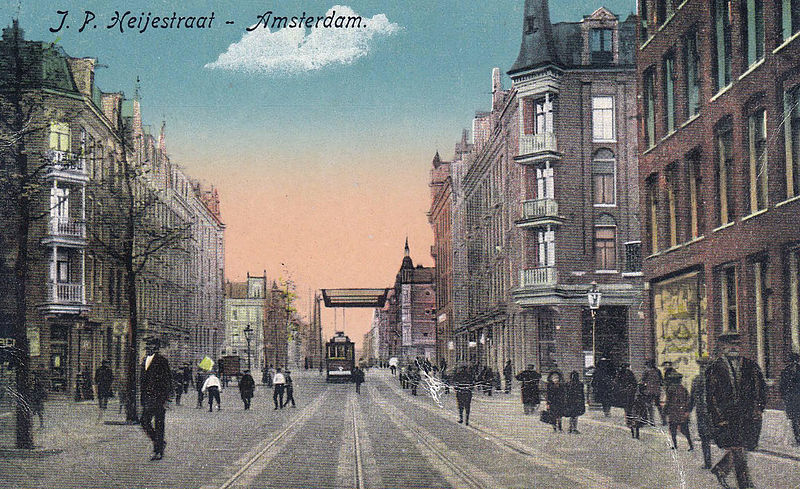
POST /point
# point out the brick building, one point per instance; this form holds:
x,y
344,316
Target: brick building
x,y
720,169
547,203
440,217
77,294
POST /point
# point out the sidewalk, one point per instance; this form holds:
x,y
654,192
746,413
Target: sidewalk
x,y
776,431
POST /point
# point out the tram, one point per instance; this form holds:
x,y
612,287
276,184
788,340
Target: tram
x,y
340,355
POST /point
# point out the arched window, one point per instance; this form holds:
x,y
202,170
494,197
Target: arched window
x,y
604,177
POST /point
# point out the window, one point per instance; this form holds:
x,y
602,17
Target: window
x,y
753,31
545,185
723,10
757,138
794,299
605,246
790,17
673,185
652,212
668,69
90,276
695,182
663,9
62,269
633,256
692,68
649,107
59,203
543,115
760,297
725,173
729,285
791,104
600,45
643,15
111,283
603,175
603,118
538,115
547,248
59,136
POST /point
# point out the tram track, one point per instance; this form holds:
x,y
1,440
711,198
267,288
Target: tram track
x,y
358,469
458,472
262,451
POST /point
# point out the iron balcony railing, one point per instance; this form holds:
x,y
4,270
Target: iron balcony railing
x,y
66,161
534,277
536,143
67,228
539,208
65,293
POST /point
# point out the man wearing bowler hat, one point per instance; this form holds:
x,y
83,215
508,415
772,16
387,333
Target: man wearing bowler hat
x,y
156,390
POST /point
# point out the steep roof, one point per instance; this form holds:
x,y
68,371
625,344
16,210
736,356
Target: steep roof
x,y
537,48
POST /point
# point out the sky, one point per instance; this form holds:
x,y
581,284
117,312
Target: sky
x,y
319,140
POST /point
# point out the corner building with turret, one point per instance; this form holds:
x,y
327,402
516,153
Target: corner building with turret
x,y
545,204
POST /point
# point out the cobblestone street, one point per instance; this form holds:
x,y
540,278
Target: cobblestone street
x,y
383,437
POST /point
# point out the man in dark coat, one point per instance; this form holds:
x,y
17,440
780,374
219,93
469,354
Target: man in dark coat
x,y
507,372
574,401
287,375
530,388
697,402
358,378
555,398
790,393
603,384
653,380
735,399
103,379
246,388
624,386
156,390
464,382
187,377
200,379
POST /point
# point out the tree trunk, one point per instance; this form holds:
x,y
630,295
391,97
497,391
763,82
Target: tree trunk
x,y
22,357
132,360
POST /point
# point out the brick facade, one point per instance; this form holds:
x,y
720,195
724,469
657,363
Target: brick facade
x,y
721,242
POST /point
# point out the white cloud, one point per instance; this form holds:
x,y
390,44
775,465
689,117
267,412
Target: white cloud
x,y
296,50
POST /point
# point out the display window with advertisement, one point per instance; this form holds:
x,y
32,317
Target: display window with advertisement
x,y
681,328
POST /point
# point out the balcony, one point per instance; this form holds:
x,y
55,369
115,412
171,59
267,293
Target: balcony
x,y
66,166
538,277
64,298
537,147
65,231
539,212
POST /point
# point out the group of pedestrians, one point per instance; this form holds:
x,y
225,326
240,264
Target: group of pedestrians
x,y
158,384
728,397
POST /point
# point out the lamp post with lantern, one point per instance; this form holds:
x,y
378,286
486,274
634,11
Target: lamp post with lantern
x,y
593,296
248,332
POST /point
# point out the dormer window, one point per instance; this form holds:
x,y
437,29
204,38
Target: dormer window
x,y
600,45
530,23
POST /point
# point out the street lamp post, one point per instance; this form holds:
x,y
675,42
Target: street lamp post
x,y
248,331
594,304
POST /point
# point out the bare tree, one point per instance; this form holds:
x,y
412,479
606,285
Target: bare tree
x,y
131,230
